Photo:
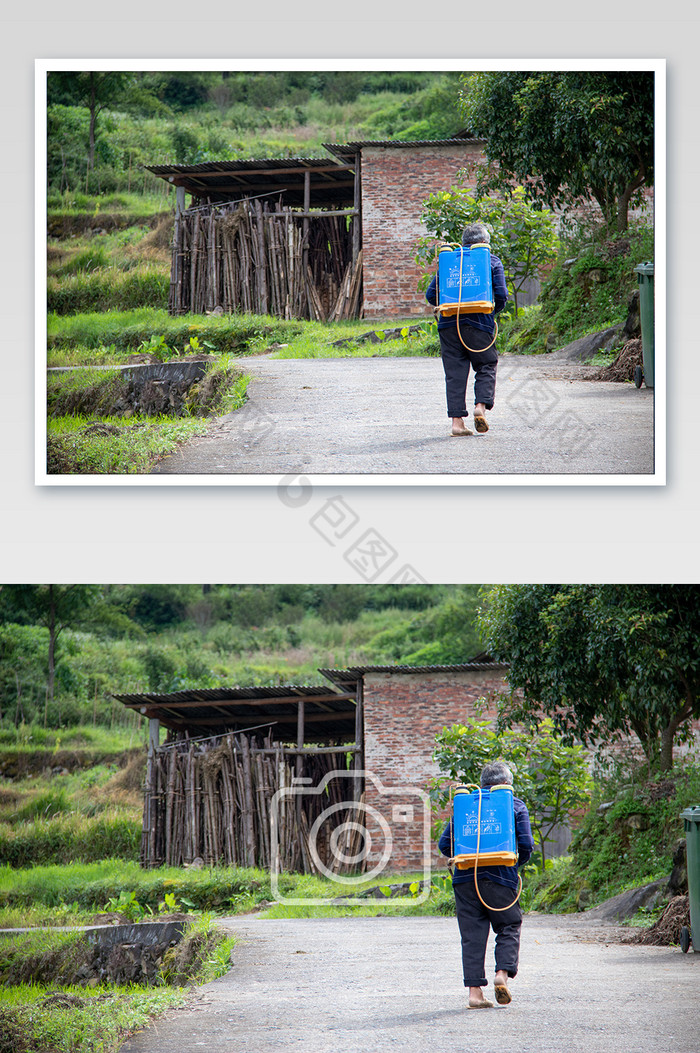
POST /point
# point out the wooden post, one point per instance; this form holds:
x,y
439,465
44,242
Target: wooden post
x,y
358,762
357,218
307,206
248,821
300,733
179,200
263,265
299,761
150,804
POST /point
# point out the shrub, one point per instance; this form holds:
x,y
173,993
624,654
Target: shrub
x,y
593,280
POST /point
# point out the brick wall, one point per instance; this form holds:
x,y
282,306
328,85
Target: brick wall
x,y
403,714
395,182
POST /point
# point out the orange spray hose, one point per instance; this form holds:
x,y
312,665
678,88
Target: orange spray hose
x,y
474,350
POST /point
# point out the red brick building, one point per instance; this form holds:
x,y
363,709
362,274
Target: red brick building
x,y
396,178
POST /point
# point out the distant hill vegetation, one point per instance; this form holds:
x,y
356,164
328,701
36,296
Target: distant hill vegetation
x,y
64,649
104,126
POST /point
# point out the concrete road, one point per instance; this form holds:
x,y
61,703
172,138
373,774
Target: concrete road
x,y
387,416
374,985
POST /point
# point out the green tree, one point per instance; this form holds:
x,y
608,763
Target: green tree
x,y
549,775
568,134
93,90
53,606
522,236
601,660
23,651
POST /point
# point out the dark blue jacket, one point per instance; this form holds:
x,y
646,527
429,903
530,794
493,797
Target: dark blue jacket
x,y
501,875
477,321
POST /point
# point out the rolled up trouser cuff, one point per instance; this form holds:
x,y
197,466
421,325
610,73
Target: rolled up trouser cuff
x,y
476,921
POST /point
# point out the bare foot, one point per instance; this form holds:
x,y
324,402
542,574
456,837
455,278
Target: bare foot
x,y
480,422
477,1000
459,428
500,984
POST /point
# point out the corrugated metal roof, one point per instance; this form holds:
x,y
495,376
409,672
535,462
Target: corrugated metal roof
x,y
353,674
347,150
329,715
242,164
331,180
221,694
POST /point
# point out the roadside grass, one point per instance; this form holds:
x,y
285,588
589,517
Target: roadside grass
x,y
124,332
86,391
440,900
43,1019
115,884
111,337
345,340
46,894
92,886
52,955
84,436
43,1010
76,446
82,391
41,956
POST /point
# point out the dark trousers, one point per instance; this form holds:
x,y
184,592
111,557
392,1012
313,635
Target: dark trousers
x,y
475,921
457,361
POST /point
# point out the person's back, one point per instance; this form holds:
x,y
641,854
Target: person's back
x,y
467,341
489,900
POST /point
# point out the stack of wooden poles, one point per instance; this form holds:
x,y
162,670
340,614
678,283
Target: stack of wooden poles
x,y
259,258
212,800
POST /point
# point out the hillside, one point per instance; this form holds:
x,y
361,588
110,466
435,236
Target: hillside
x,y
103,127
121,638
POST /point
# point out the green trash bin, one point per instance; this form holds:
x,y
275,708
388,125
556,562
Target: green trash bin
x,y
691,822
645,279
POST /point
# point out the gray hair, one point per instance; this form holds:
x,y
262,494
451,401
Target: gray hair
x,y
476,232
496,774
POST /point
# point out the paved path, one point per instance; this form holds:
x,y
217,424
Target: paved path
x,y
375,985
374,416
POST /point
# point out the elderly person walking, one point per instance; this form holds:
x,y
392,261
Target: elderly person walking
x,y
477,332
498,886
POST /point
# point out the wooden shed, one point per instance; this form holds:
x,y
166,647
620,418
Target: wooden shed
x,y
317,238
210,786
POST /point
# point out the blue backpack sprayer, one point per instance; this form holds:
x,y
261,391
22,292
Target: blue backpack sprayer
x,y
483,832
464,284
